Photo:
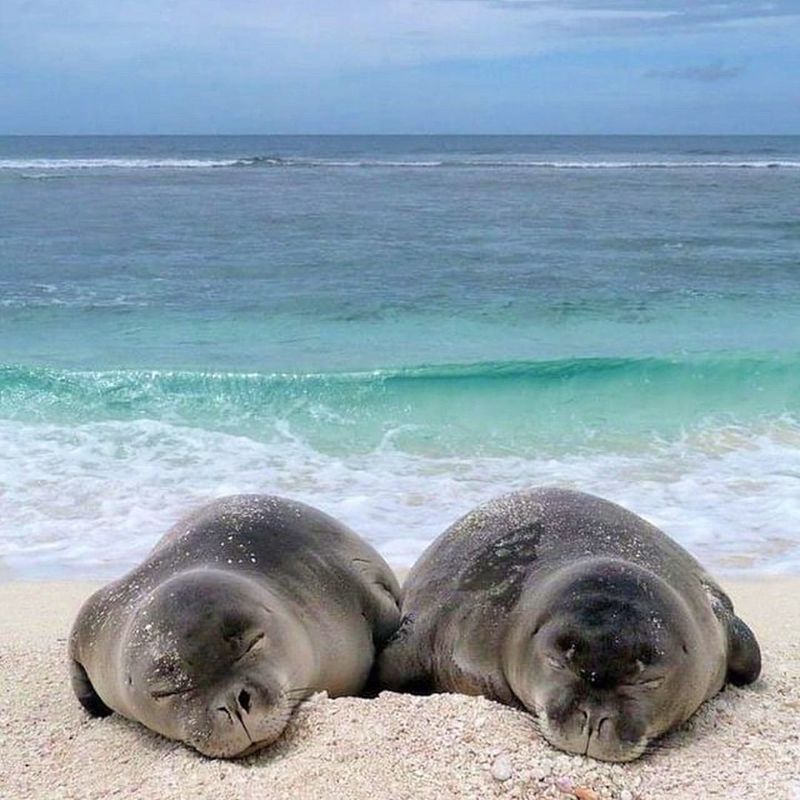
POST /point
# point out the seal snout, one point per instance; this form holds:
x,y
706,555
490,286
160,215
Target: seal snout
x,y
597,669
243,718
592,722
237,704
594,728
608,735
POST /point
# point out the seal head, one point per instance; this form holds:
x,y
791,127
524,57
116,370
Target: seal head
x,y
607,660
207,665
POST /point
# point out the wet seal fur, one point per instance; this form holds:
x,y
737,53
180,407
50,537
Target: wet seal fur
x,y
575,609
242,610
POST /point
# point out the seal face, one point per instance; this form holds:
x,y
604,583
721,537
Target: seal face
x,y
241,611
570,607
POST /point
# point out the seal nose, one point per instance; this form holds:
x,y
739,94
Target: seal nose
x,y
236,704
599,723
593,722
584,720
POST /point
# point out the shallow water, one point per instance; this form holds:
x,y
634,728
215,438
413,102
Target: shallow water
x,y
394,329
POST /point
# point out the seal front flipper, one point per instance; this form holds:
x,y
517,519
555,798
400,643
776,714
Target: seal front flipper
x,y
473,669
744,654
85,692
399,666
382,603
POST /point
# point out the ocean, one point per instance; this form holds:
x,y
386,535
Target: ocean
x,y
395,329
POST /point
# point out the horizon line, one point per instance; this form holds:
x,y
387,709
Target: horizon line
x,y
387,135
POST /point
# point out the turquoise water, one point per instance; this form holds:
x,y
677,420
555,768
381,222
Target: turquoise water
x,y
394,329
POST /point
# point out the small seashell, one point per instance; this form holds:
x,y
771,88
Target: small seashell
x,y
582,793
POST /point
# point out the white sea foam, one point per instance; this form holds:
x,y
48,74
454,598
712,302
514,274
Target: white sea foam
x,y
90,500
523,163
639,164
363,163
47,166
112,163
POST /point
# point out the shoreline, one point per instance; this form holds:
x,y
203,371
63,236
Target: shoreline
x,y
745,742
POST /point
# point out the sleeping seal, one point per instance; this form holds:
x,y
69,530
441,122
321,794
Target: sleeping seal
x,y
575,609
242,609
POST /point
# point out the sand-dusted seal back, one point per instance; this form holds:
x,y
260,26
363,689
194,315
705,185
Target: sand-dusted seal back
x,y
575,609
244,608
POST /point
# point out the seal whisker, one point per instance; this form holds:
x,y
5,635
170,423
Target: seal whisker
x,y
301,689
666,745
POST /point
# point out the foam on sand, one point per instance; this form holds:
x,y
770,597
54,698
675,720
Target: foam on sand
x,y
90,500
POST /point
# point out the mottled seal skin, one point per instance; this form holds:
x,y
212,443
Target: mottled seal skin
x,y
575,609
242,610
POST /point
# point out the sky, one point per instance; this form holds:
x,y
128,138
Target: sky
x,y
399,66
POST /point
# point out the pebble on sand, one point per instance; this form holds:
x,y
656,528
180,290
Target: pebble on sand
x,y
501,768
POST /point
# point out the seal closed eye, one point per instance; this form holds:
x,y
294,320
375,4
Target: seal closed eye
x,y
567,605
241,611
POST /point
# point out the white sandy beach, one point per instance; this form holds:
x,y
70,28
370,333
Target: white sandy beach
x,y
743,744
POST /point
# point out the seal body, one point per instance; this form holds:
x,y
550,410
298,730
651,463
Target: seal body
x,y
242,610
575,609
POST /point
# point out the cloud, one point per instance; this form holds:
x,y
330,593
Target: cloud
x,y
258,37
396,65
712,72
642,16
308,38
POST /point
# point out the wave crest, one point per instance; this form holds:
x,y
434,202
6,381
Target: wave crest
x,y
487,407
49,165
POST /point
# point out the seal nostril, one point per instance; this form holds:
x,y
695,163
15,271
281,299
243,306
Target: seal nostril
x,y
585,720
600,725
244,700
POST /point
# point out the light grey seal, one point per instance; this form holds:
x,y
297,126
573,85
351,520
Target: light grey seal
x,y
575,609
242,610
